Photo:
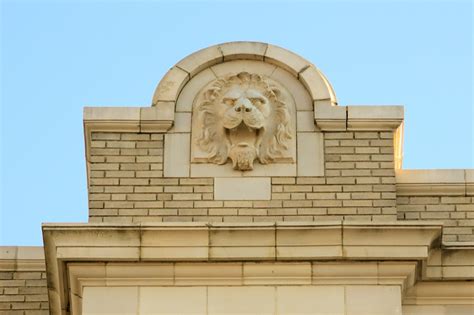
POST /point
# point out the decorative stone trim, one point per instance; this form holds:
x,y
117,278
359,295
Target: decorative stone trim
x,y
22,258
114,274
455,262
441,293
65,243
455,182
357,118
172,83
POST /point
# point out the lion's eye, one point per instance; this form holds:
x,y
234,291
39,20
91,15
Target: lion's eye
x,y
257,101
229,101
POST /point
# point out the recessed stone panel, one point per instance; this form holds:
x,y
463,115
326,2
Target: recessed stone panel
x,y
242,188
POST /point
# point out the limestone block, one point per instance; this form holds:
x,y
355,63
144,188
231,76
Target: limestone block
x,y
299,93
305,121
341,273
182,123
112,113
277,273
242,188
192,88
208,274
175,237
170,85
177,155
211,170
164,271
375,112
324,300
237,66
315,84
310,154
328,117
28,252
285,59
383,300
308,252
429,176
161,111
174,253
110,300
469,182
438,309
240,253
200,60
374,117
243,50
241,300
173,300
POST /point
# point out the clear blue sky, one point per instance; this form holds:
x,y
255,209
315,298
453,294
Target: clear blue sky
x,y
57,57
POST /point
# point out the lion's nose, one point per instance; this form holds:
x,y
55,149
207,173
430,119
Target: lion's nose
x,y
243,105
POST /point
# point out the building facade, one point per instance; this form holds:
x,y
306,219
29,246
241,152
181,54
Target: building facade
x,y
247,189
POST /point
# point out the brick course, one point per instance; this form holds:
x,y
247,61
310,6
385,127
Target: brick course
x,y
127,185
23,292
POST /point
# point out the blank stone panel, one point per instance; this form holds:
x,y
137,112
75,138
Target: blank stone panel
x,y
373,300
176,155
321,300
241,300
310,154
110,300
173,300
242,188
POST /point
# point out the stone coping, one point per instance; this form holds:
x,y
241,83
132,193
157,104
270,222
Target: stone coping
x,y
22,258
176,78
459,182
360,117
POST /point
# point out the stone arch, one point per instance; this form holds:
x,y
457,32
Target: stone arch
x,y
317,85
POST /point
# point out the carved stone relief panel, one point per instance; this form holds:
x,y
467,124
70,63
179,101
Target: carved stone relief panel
x,y
243,119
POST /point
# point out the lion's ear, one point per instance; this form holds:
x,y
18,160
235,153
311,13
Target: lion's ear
x,y
276,91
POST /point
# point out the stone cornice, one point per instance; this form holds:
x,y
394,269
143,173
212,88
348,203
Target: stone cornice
x,y
22,258
357,118
440,293
455,182
201,242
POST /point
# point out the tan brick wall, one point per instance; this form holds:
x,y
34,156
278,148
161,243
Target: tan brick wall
x,y
127,184
23,292
456,212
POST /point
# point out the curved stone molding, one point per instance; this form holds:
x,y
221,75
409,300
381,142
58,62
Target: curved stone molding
x,y
173,82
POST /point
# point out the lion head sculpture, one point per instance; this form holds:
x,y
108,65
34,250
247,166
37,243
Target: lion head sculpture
x,y
243,117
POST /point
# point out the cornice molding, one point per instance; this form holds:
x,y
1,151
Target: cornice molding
x,y
250,242
440,182
357,118
22,258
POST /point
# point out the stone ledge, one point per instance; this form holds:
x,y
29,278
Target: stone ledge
x,y
250,241
354,118
22,258
437,182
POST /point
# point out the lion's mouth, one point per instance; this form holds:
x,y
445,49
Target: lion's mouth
x,y
243,134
